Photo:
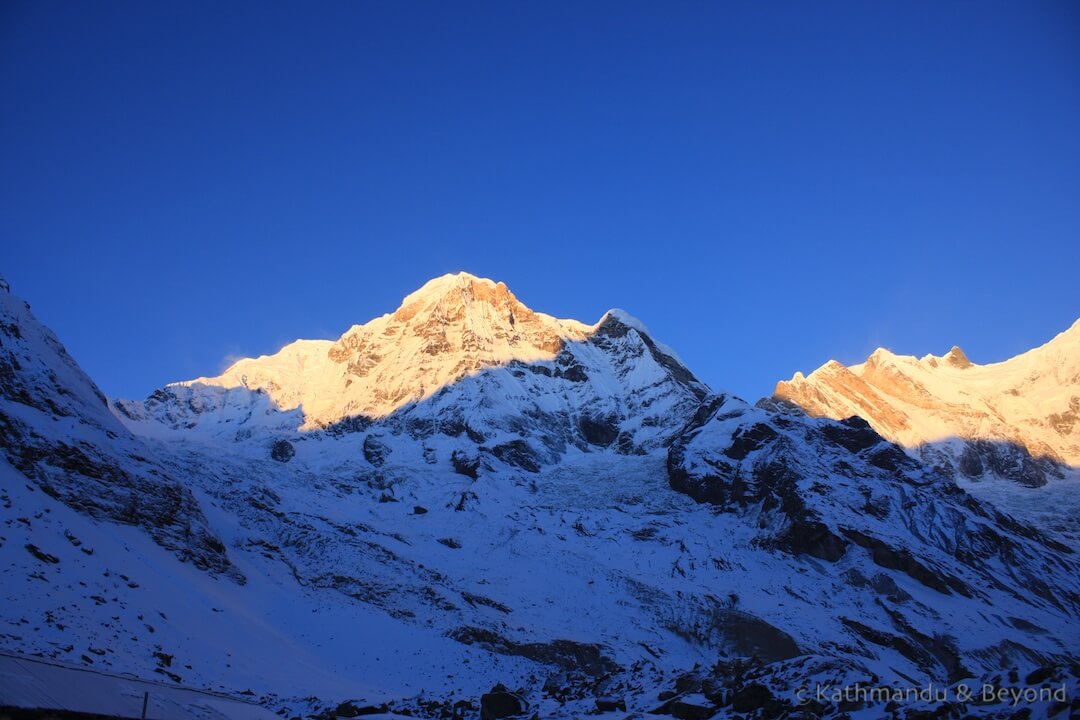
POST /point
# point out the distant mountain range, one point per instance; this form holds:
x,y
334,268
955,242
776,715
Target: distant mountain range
x,y
466,493
1018,419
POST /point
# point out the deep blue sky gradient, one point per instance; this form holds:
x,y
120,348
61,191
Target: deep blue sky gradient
x,y
766,185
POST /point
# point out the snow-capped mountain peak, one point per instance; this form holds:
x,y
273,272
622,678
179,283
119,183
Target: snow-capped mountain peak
x,y
453,326
1019,415
459,342
956,358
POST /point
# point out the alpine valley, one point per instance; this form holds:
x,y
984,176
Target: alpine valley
x,y
465,493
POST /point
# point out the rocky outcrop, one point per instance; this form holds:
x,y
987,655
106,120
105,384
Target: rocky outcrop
x,y
501,703
980,458
376,450
464,463
282,451
587,658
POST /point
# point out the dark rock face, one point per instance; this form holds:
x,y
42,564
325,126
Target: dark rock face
x,y
566,654
881,583
749,636
719,485
812,538
747,441
348,426
687,709
979,459
465,464
902,560
970,463
751,697
282,451
1006,460
568,368
764,463
610,704
518,453
501,703
891,458
375,450
925,651
769,482
600,431
99,486
853,434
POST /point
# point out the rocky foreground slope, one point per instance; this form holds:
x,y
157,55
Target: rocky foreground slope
x,y
464,493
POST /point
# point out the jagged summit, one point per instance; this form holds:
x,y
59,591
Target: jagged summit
x,y
960,414
452,294
459,323
454,327
883,357
956,358
461,284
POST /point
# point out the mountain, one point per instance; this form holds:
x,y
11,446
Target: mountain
x,y
1030,403
56,429
453,326
465,493
1016,420
460,360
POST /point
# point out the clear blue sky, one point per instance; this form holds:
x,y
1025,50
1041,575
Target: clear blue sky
x,y
766,185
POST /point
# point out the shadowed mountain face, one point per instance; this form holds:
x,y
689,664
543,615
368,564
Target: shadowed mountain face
x,y
826,489
57,430
1018,419
467,492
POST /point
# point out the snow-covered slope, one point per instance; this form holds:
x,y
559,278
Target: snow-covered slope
x,y
106,597
1018,419
56,428
574,519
